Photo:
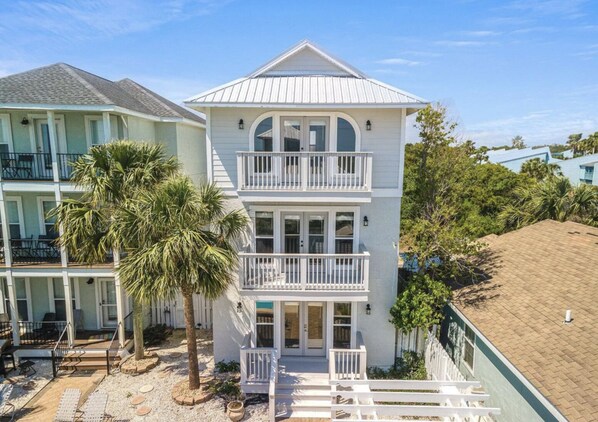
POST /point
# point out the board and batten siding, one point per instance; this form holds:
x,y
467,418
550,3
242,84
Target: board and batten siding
x,y
382,141
306,60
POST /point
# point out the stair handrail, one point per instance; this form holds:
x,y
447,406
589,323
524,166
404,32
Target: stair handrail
x,y
57,351
114,335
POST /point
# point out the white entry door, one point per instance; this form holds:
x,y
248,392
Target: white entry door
x,y
304,328
108,314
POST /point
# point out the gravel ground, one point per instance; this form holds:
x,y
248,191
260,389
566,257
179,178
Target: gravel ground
x,y
24,388
121,388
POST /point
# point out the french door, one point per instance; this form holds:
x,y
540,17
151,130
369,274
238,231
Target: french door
x,y
304,232
108,314
304,328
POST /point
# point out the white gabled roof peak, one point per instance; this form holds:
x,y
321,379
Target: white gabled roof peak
x,y
282,65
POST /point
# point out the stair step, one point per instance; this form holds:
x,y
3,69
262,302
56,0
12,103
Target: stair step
x,y
306,404
83,364
306,414
303,393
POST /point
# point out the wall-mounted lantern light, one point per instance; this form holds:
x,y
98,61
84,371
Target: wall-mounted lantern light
x,y
241,124
90,280
239,307
366,222
368,125
25,121
368,309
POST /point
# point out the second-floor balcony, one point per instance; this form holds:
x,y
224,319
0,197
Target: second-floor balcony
x,y
305,171
35,166
290,273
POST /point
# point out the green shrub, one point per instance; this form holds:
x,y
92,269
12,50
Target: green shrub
x,y
229,389
410,367
230,366
155,335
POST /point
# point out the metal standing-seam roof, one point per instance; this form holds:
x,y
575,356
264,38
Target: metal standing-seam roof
x,y
63,84
313,79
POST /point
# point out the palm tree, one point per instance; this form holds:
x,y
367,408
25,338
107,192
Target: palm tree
x,y
554,198
539,169
187,243
111,175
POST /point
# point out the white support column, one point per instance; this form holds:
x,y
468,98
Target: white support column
x,y
53,145
14,312
209,154
5,228
107,128
278,322
68,301
329,327
120,308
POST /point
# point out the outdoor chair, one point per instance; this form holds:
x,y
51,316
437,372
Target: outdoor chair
x,y
94,409
5,405
25,166
48,326
67,408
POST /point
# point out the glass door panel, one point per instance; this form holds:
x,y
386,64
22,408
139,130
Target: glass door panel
x,y
317,135
315,344
316,236
292,135
292,328
292,234
108,303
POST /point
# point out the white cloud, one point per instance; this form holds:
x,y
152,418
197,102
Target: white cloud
x,y
480,34
399,61
462,43
79,19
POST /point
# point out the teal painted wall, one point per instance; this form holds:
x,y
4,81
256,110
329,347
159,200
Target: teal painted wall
x,y
76,141
166,135
40,302
516,401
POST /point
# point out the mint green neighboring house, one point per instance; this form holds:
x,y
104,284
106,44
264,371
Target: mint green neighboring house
x,y
510,332
48,117
581,170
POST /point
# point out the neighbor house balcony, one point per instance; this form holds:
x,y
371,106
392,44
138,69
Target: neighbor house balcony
x,y
308,172
319,275
35,166
43,250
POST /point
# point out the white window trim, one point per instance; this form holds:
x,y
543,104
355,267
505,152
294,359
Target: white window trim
x,y
51,297
40,211
331,216
255,324
27,293
112,126
19,202
59,118
7,130
88,120
467,341
332,131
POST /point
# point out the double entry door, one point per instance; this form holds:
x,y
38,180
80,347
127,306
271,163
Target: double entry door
x,y
304,331
304,232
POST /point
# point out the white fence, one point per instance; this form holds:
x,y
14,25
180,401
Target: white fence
x,y
439,364
279,271
326,171
414,341
171,312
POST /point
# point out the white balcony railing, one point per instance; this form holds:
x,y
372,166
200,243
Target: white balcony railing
x,y
302,272
305,171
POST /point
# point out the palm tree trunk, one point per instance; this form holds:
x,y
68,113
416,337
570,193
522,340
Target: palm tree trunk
x,y
138,329
191,340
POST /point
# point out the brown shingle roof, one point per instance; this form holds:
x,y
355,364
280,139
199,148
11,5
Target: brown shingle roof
x,y
537,273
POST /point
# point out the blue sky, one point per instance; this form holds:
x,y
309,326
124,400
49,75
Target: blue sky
x,y
503,68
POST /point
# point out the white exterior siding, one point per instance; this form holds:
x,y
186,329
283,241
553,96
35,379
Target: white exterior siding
x,y
191,151
307,60
382,141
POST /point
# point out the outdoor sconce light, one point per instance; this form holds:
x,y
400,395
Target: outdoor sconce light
x,y
25,121
241,124
239,307
90,281
366,222
368,125
368,309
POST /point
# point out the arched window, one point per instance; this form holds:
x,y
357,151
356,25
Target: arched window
x,y
262,141
346,138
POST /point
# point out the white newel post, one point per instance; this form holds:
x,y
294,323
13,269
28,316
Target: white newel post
x,y
303,272
304,169
70,319
14,311
120,309
53,145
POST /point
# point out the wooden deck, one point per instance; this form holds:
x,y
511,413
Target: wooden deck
x,y
84,340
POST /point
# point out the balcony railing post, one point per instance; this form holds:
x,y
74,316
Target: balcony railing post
x,y
304,171
303,272
240,171
368,172
365,276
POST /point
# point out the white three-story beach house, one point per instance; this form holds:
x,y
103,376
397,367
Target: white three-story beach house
x,y
313,150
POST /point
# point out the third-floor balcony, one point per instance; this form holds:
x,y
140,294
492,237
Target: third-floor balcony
x,y
305,171
35,166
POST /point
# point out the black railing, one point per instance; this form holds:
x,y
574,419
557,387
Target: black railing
x,y
26,166
5,330
65,164
2,261
40,333
61,348
35,251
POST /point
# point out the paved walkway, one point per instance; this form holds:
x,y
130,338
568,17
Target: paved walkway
x,y
44,405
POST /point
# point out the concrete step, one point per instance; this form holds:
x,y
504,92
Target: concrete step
x,y
303,407
83,366
303,393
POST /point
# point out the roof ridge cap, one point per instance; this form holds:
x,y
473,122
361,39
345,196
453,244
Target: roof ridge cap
x,y
71,71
